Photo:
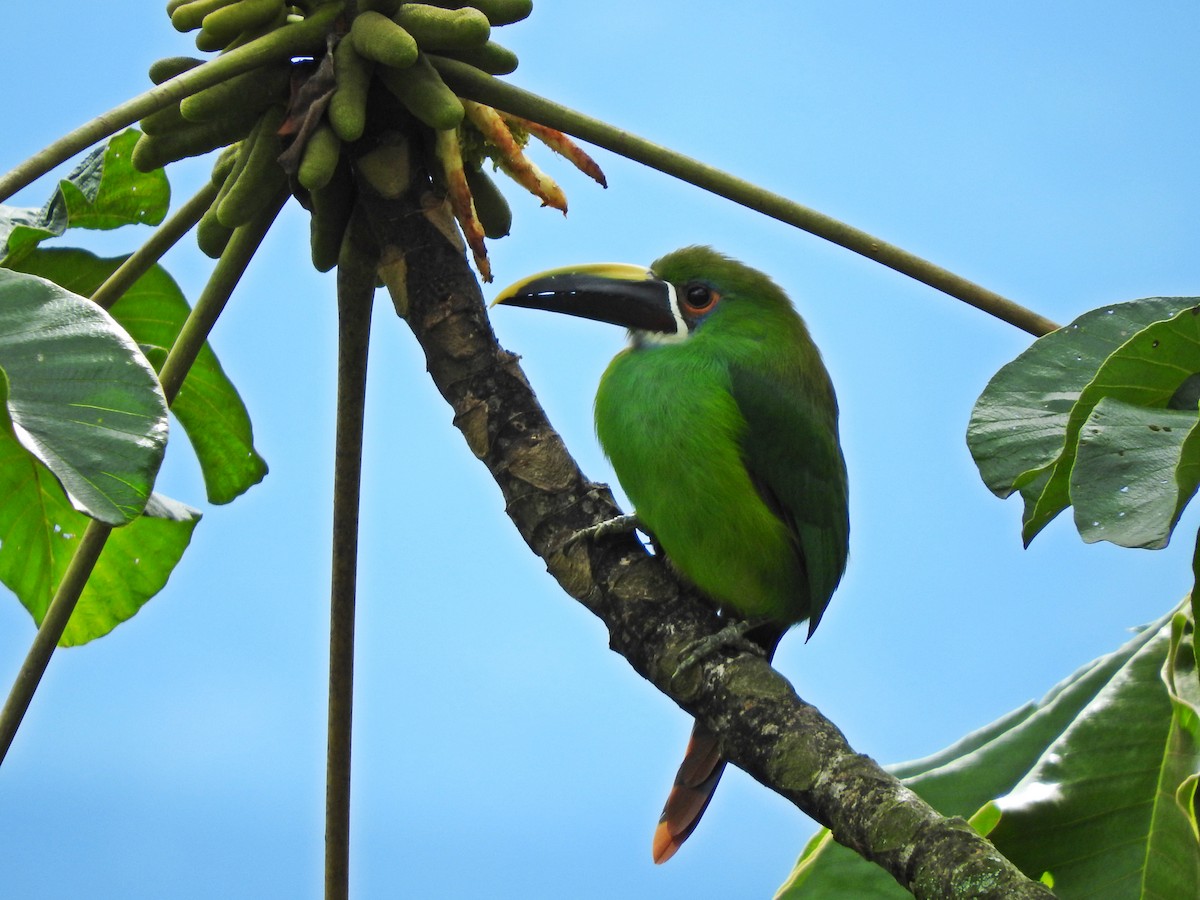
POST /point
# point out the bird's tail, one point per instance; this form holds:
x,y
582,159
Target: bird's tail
x,y
694,785
699,772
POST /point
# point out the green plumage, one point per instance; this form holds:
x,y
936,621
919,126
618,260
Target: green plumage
x,y
726,444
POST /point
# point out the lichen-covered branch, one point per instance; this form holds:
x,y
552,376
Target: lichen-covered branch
x,y
766,729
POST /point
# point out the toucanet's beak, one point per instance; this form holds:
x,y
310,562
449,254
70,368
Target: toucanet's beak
x,y
618,293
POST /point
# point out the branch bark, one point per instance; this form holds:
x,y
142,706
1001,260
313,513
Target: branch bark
x,y
765,728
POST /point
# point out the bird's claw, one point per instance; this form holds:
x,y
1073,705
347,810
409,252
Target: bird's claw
x,y
615,525
731,636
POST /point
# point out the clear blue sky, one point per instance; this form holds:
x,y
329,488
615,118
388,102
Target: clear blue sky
x,y
1047,151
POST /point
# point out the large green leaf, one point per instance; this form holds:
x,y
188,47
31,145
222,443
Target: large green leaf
x,y
81,397
208,405
1003,756
104,191
40,532
1099,810
1025,428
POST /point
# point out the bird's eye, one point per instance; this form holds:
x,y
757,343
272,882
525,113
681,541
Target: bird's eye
x,y
699,298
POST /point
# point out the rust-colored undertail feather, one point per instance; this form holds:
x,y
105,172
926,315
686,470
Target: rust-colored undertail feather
x,y
694,785
700,770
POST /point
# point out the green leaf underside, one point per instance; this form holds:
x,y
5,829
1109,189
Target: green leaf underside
x,y
208,406
1087,772
1145,371
1024,428
82,397
104,191
1135,470
41,531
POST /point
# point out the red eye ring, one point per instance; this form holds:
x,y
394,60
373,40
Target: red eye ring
x,y
699,298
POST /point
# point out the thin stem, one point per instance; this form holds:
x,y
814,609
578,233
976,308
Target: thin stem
x,y
356,289
282,43
164,238
475,85
58,613
183,352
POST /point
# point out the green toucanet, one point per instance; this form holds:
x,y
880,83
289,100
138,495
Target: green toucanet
x,y
720,421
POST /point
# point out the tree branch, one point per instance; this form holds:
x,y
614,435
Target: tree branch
x,y
765,728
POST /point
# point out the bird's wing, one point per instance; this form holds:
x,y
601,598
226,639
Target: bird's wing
x,y
792,453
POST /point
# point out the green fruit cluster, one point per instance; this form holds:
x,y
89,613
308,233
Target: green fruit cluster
x,y
364,43
389,43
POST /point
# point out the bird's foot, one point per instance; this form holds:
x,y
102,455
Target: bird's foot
x,y
616,525
732,636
